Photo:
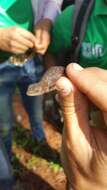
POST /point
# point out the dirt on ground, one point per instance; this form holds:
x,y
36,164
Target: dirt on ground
x,y
36,166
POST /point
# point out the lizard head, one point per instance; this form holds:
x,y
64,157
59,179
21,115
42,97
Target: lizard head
x,y
34,90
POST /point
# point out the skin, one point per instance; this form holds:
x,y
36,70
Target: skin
x,y
84,149
42,34
18,40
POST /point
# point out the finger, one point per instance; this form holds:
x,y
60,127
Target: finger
x,y
25,42
18,48
38,42
39,47
92,82
42,41
27,35
97,71
64,86
40,51
45,38
38,37
75,112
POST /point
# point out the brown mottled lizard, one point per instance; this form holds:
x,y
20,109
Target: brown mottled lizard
x,y
47,82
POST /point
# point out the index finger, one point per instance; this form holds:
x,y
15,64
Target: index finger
x,y
27,35
75,112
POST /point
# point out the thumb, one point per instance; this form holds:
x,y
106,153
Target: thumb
x,y
38,37
75,111
90,81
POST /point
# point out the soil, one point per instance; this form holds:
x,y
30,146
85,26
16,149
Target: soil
x,y
36,166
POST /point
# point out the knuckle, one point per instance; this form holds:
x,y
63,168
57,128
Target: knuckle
x,y
14,32
11,44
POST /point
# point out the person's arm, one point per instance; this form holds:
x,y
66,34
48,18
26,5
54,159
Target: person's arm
x,y
44,15
61,37
46,9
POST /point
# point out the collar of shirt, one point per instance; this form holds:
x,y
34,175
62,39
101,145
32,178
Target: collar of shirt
x,y
100,7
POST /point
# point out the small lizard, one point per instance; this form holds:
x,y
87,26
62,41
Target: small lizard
x,y
47,82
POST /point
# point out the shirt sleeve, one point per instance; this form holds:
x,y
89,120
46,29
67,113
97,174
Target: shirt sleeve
x,y
46,9
52,9
62,32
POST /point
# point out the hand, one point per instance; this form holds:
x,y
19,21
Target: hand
x,y
16,40
84,149
42,34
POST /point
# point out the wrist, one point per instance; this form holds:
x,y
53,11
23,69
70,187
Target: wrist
x,y
45,24
48,23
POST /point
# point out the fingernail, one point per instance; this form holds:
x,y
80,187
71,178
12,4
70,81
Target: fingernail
x,y
65,91
77,67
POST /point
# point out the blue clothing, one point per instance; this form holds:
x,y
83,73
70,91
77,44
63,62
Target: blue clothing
x,y
6,175
10,77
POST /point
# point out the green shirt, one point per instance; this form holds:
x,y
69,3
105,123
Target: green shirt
x,y
15,13
93,51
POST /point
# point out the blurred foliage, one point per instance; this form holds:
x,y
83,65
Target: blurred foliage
x,y
40,153
55,167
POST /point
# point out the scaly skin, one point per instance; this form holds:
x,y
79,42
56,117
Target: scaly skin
x,y
47,82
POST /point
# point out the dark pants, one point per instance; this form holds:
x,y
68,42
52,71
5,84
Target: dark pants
x,y
10,77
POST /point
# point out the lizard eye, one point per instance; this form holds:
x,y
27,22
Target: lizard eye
x,y
52,87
